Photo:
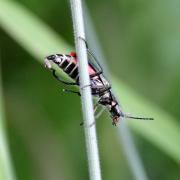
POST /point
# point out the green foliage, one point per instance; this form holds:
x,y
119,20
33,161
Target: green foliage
x,y
27,29
39,40
162,132
6,171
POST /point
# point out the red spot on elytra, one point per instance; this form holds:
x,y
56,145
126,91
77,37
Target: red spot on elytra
x,y
91,70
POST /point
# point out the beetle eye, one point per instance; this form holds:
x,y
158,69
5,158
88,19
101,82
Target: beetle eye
x,y
51,57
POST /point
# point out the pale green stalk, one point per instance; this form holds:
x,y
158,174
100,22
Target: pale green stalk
x,y
86,97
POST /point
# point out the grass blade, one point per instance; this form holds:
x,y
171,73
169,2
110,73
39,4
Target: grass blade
x,y
6,170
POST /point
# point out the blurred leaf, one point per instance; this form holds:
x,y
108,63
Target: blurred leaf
x,y
39,40
29,31
162,132
6,171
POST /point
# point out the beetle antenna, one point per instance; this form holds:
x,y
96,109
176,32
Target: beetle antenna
x,y
139,118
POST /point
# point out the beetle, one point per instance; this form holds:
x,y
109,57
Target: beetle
x,y
100,87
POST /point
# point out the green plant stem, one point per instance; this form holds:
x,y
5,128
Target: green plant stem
x,y
86,97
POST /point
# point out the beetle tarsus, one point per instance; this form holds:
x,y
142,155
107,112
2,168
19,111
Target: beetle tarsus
x,y
71,91
60,80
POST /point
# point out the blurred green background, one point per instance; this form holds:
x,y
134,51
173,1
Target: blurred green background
x,y
141,41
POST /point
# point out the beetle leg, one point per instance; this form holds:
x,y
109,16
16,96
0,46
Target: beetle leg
x,y
92,55
99,113
96,74
84,41
96,115
85,86
71,91
60,80
95,109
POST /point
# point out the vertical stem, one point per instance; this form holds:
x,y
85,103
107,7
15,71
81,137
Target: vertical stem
x,y
86,98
